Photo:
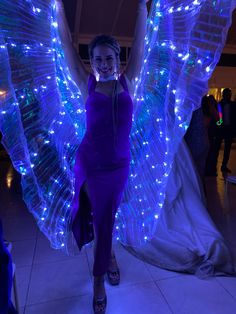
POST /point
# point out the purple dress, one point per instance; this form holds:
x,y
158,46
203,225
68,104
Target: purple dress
x,y
102,162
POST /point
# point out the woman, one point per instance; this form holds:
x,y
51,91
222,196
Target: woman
x,y
101,166
102,160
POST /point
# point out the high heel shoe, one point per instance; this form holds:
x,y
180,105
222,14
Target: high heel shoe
x,y
114,275
99,305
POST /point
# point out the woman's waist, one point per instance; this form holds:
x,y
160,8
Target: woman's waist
x,y
93,134
107,140
97,161
105,151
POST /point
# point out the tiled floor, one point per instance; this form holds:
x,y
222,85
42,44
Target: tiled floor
x,y
50,282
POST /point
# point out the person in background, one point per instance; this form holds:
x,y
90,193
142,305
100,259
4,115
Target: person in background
x,y
225,130
211,117
210,111
196,137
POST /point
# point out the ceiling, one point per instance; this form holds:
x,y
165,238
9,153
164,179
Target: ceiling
x,y
87,18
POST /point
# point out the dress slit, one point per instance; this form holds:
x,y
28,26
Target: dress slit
x,y
82,225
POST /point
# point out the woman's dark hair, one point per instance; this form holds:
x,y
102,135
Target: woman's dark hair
x,y
107,40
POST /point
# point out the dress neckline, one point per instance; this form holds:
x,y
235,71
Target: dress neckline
x,y
93,84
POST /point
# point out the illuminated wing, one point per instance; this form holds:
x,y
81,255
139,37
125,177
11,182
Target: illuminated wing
x,y
184,41
41,117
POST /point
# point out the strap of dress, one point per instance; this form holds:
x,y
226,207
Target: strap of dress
x,y
123,82
91,83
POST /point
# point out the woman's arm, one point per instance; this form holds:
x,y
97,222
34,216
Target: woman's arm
x,y
75,64
136,56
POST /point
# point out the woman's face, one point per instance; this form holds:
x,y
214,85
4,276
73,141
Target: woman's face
x,y
104,62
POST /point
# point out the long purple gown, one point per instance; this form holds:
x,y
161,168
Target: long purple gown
x,y
102,162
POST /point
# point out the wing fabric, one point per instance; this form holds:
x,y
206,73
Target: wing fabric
x,y
42,118
184,41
